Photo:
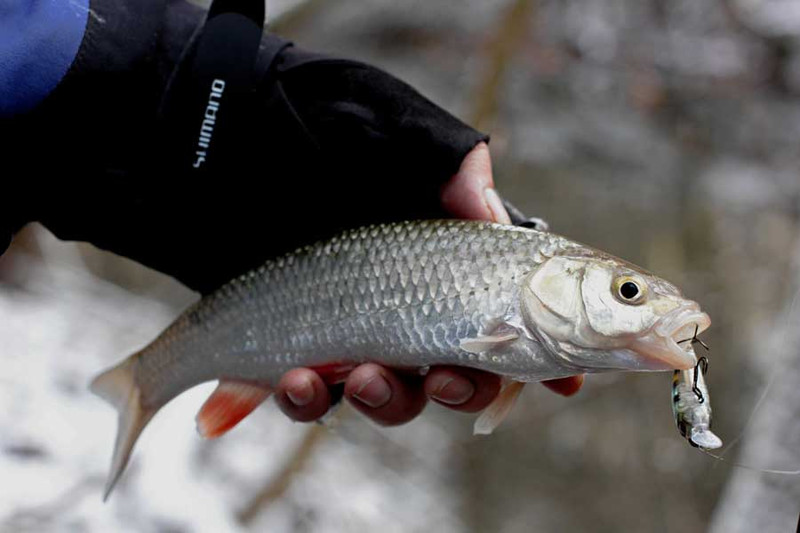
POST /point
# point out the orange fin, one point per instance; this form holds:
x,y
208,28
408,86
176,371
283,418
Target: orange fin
x,y
230,402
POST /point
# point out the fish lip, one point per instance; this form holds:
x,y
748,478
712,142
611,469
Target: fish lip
x,y
661,343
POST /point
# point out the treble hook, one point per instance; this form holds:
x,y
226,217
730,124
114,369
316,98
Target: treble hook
x,y
696,340
703,361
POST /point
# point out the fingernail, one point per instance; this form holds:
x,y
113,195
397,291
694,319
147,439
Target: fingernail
x,y
374,393
453,391
495,205
301,393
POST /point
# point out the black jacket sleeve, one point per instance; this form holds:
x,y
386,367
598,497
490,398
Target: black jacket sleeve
x,y
318,144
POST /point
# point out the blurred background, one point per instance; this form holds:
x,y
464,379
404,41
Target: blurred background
x,y
667,133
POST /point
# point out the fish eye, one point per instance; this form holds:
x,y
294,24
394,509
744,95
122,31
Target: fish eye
x,y
629,290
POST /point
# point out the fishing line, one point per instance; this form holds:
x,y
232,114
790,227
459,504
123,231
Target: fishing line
x,y
748,467
770,382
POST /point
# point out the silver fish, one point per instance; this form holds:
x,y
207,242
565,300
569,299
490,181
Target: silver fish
x,y
526,304
691,407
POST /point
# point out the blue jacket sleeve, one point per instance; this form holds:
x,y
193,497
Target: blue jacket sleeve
x,y
38,42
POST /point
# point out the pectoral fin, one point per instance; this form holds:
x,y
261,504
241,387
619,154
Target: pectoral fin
x,y
493,416
230,402
484,344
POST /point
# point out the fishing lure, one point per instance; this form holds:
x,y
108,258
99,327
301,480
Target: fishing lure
x,y
691,405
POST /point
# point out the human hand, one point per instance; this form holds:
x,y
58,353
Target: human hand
x,y
391,397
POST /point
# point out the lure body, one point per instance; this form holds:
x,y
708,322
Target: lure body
x,y
691,407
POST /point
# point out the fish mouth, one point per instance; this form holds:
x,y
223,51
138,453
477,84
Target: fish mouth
x,y
662,344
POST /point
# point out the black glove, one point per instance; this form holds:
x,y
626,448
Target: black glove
x,y
295,147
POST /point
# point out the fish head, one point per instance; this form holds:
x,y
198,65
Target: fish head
x,y
599,313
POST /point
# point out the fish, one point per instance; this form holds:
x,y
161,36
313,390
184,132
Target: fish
x,y
691,406
525,304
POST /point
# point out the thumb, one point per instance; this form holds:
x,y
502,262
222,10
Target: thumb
x,y
470,193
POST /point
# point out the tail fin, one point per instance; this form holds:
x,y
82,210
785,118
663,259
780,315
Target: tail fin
x,y
118,387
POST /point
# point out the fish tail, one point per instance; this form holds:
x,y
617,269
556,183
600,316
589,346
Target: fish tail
x,y
118,387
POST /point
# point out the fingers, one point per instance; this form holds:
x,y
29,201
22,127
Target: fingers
x,y
386,397
565,386
470,193
463,389
302,395
391,398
